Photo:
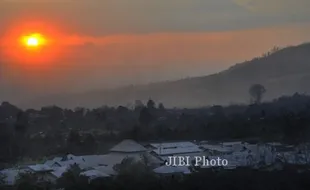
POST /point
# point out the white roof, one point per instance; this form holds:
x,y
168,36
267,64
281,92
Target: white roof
x,y
57,159
68,163
174,145
192,156
233,143
59,171
106,169
128,146
94,174
70,156
112,159
170,170
91,160
218,148
173,151
50,163
275,144
40,168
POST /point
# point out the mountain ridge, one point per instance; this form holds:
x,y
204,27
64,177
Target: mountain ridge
x,y
283,72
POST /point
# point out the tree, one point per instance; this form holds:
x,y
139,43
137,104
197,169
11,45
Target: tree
x,y
27,181
73,141
272,51
21,126
6,145
150,104
90,144
72,179
138,105
256,92
161,106
100,114
2,179
145,117
74,137
135,169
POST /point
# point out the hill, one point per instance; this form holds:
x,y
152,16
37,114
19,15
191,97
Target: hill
x,y
283,72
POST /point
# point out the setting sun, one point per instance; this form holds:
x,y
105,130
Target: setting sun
x,y
33,40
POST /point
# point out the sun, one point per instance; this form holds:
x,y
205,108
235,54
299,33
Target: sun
x,y
33,40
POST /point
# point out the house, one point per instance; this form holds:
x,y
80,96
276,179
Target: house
x,y
57,172
166,150
172,145
169,149
216,149
176,151
94,174
128,147
91,160
108,169
69,163
42,172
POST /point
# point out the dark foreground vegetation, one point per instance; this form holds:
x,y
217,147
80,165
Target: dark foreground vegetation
x,y
239,179
54,131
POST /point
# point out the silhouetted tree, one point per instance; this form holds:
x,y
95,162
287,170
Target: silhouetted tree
x,y
73,141
272,51
100,115
21,126
27,181
145,117
8,110
90,144
72,179
135,132
6,142
138,105
256,92
150,104
135,169
2,179
161,106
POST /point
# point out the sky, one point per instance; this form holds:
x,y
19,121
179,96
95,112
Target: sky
x,y
105,43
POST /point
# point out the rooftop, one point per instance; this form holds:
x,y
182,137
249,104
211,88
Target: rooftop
x,y
173,151
185,144
128,146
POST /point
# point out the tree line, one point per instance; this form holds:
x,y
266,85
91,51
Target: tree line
x,y
53,131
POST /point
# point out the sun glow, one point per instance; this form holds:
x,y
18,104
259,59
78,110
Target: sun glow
x,y
33,40
32,44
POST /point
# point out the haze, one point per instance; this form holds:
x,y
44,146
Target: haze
x,y
112,43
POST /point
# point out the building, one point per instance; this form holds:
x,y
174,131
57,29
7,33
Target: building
x,y
130,148
42,172
165,150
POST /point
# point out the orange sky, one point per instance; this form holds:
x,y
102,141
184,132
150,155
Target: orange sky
x,y
98,44
131,56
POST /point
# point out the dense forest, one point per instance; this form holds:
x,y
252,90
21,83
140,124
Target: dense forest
x,y
50,131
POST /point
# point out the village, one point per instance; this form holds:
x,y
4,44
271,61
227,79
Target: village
x,y
270,156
